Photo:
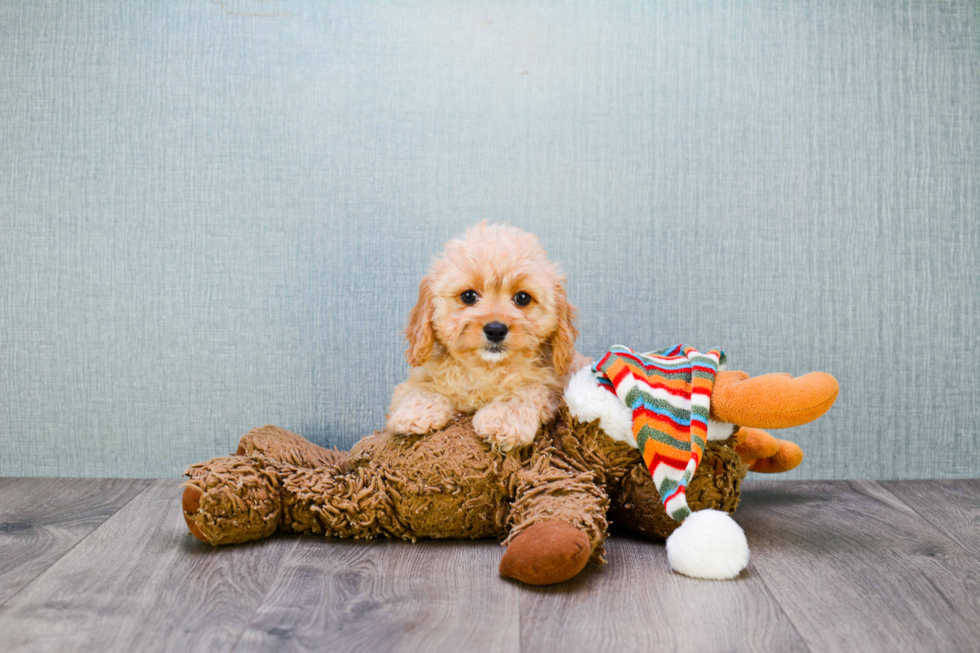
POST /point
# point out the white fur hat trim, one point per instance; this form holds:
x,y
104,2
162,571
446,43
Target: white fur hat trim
x,y
587,402
708,544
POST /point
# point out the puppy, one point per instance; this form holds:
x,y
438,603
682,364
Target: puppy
x,y
492,334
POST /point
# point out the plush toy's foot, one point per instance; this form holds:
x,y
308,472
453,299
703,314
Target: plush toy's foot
x,y
766,454
231,499
545,553
192,502
773,401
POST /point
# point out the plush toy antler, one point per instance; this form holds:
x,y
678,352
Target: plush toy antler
x,y
771,401
766,454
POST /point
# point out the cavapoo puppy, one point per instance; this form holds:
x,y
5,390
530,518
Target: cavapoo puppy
x,y
492,334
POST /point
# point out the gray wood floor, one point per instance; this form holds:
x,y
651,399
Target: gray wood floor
x,y
107,565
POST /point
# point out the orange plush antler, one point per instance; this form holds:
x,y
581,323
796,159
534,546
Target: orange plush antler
x,y
766,454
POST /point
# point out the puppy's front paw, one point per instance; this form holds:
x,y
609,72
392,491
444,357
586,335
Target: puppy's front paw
x,y
506,425
418,416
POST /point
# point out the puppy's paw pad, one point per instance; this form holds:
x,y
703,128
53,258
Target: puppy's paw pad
x,y
418,418
504,428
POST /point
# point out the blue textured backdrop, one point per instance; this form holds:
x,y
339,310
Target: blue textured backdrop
x,y
215,214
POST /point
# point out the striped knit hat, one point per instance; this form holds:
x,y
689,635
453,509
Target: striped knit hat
x,y
659,403
669,394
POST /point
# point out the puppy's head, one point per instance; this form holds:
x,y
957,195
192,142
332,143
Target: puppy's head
x,y
493,295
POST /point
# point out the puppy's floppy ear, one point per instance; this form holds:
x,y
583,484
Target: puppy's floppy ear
x,y
563,340
419,330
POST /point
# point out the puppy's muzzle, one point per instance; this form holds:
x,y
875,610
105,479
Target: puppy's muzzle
x,y
495,332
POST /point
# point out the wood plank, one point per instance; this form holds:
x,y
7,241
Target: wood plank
x,y
855,566
856,569
388,595
953,507
636,603
140,582
42,518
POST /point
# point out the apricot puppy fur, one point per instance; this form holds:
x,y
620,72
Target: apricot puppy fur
x,y
491,335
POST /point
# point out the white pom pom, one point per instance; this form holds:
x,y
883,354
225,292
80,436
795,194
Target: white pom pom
x,y
708,544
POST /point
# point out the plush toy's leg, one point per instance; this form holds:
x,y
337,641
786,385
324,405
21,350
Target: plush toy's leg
x,y
341,502
231,499
774,401
241,498
558,523
766,454
280,444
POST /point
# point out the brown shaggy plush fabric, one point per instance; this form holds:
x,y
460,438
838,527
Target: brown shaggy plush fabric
x,y
446,484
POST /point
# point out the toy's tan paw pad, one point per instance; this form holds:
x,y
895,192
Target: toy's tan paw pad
x,y
191,503
545,553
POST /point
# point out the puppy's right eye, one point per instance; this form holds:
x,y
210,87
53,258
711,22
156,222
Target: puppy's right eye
x,y
469,297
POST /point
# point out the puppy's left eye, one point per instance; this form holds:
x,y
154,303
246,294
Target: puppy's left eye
x,y
522,298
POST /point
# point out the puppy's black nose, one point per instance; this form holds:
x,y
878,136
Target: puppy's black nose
x,y
495,331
